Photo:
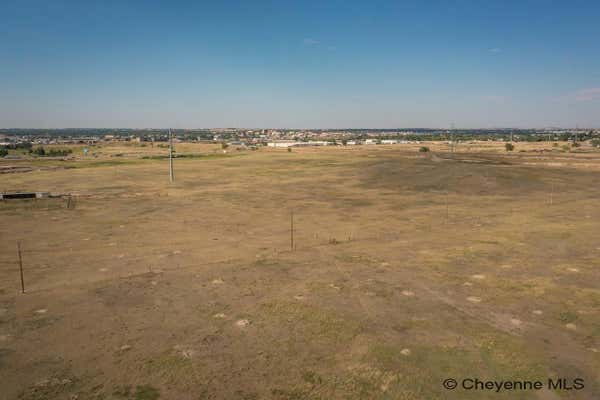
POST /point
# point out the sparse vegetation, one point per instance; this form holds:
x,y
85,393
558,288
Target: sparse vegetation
x,y
424,149
509,147
172,270
122,391
567,316
146,392
312,377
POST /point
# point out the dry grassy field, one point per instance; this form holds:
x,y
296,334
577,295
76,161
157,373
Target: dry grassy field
x,y
408,268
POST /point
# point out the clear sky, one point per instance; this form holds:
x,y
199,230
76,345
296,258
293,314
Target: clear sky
x,y
301,64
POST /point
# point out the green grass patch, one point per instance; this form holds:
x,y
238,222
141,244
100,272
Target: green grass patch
x,y
567,317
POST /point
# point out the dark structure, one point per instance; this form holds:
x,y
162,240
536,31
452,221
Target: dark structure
x,y
23,195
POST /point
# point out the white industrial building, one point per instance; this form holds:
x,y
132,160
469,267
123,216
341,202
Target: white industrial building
x,y
287,143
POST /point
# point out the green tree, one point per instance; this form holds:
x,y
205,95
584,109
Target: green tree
x,y
509,147
39,151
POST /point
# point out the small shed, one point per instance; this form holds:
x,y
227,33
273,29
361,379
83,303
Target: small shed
x,y
23,195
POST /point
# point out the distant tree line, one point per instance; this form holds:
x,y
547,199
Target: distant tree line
x,y
26,146
42,152
18,146
38,151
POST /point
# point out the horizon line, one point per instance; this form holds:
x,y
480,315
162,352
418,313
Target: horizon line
x,y
302,129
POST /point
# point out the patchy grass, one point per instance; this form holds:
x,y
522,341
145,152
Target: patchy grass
x,y
141,392
382,314
122,391
420,374
171,368
315,322
146,392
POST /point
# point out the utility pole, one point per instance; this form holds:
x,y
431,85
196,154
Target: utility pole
x,y
171,177
292,230
447,207
452,137
21,266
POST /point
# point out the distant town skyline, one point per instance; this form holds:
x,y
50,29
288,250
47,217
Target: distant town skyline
x,y
303,65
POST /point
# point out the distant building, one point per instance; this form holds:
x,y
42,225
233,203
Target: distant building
x,y
288,143
281,144
317,143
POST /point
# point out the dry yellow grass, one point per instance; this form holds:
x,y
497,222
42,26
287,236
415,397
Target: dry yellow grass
x,y
373,303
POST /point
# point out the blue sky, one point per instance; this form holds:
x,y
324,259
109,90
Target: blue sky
x,y
304,64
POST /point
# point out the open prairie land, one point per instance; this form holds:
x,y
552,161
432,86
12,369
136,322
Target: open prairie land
x,y
407,268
